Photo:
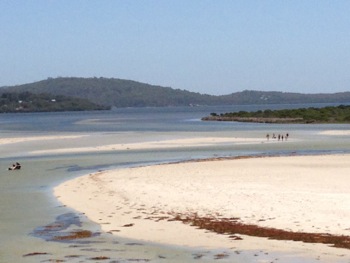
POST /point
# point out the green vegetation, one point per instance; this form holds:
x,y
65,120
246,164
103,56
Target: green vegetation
x,y
28,102
339,114
114,92
127,93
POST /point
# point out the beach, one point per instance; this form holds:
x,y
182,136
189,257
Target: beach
x,y
299,194
159,187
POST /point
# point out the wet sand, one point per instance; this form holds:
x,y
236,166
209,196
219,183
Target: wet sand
x,y
299,194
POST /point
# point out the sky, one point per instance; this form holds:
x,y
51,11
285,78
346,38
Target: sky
x,y
212,47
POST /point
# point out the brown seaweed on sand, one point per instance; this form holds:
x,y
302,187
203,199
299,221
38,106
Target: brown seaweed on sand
x,y
57,231
35,254
76,234
233,227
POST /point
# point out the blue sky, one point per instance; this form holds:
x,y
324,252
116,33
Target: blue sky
x,y
212,47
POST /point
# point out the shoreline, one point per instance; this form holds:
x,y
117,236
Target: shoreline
x,y
289,196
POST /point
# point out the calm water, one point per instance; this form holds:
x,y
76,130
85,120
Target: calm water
x,y
26,200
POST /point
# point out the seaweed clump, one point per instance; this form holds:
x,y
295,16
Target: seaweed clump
x,y
233,226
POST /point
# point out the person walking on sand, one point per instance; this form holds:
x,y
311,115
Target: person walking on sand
x,y
268,136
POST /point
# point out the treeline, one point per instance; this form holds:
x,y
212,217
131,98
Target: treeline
x,y
338,114
115,92
29,102
127,93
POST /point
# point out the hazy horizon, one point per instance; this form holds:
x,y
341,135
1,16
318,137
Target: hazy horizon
x,y
210,47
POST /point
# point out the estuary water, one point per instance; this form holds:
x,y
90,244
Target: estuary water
x,y
27,204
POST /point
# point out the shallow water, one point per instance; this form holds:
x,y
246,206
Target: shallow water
x,y
27,202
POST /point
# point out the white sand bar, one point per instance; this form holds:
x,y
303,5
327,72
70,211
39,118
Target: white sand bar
x,y
336,132
297,193
160,144
10,140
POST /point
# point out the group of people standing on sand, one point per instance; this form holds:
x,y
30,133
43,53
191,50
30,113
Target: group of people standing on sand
x,y
279,137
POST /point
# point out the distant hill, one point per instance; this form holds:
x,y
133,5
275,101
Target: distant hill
x,y
128,93
115,92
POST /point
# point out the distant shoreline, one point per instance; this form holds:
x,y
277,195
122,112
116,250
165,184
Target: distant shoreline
x,y
254,119
330,114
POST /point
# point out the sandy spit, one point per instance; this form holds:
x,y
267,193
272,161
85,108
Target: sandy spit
x,y
297,193
174,143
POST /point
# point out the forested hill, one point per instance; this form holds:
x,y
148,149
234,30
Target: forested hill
x,y
128,93
115,92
